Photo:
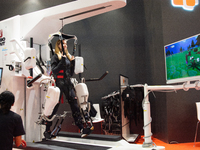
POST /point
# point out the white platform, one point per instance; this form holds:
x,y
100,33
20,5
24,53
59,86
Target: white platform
x,y
115,145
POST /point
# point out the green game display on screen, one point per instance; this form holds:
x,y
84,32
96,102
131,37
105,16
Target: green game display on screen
x,y
182,60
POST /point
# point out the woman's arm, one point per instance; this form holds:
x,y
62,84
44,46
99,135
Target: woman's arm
x,y
19,141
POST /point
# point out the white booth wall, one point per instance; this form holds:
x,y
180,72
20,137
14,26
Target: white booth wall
x,y
27,101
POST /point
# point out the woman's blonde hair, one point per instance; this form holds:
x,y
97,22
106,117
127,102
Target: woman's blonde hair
x,y
57,51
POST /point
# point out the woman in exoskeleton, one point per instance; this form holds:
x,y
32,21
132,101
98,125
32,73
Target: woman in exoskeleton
x,y
62,71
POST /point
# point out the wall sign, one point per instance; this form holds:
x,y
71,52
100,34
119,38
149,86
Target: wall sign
x,y
185,4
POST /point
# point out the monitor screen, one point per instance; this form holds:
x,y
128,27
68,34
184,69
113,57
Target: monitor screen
x,y
182,60
1,74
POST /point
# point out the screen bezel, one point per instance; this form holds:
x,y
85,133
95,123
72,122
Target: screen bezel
x,y
179,80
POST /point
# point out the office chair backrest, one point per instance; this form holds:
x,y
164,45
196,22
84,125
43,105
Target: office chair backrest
x,y
97,118
98,115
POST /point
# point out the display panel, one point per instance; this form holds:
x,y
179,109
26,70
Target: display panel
x,y
182,60
1,74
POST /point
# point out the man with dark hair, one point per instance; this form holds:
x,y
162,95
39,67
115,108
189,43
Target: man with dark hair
x,y
11,127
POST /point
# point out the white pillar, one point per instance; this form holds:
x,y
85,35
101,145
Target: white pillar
x,y
147,119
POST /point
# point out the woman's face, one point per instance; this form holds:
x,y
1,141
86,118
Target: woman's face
x,y
64,45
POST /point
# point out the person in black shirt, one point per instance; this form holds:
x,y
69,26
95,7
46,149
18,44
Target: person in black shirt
x,y
62,71
11,127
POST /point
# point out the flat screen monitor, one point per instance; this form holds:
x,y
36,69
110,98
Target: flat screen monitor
x,y
1,75
182,60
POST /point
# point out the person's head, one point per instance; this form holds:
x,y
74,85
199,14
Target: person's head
x,y
58,48
7,99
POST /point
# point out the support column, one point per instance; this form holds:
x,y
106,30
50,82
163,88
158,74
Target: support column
x,y
147,119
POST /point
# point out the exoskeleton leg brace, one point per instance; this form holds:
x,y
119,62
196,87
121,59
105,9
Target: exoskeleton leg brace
x,y
82,95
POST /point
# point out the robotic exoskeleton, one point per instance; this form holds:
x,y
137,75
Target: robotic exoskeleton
x,y
81,94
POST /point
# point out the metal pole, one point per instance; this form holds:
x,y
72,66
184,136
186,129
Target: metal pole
x,y
25,107
31,46
79,54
